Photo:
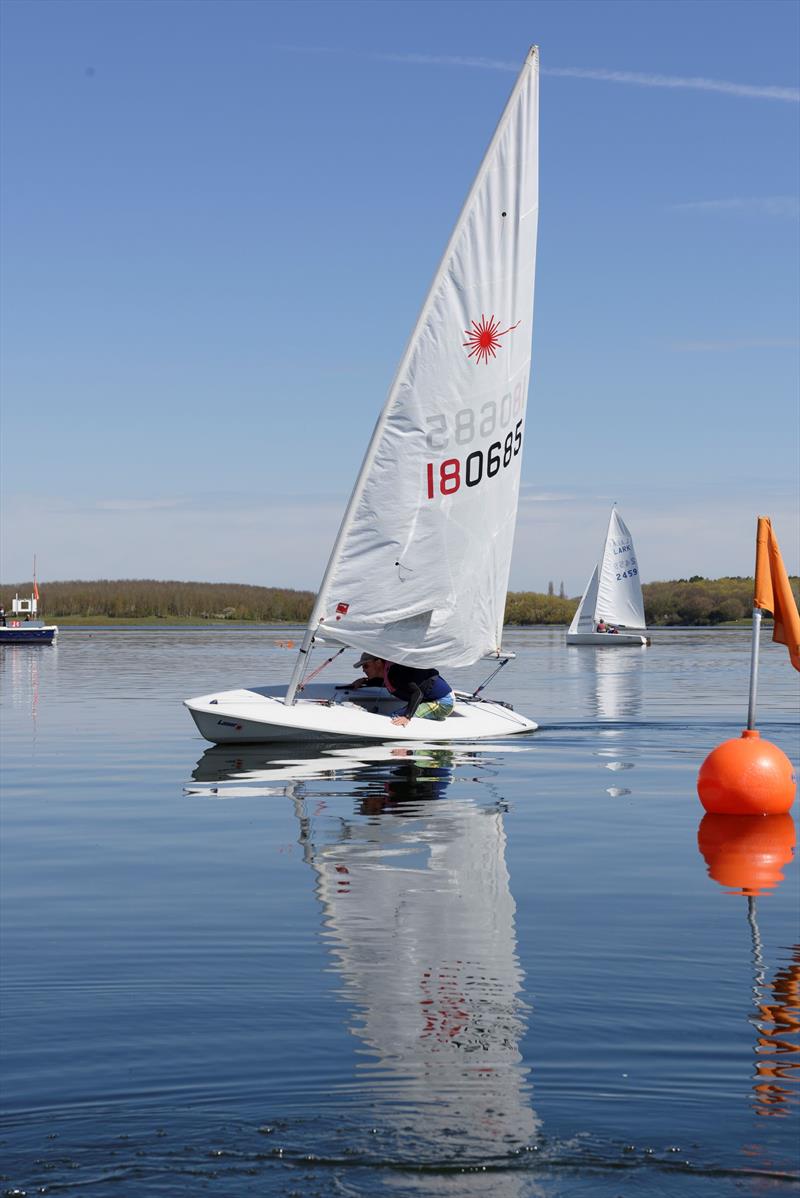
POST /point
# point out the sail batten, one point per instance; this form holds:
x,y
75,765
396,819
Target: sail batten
x,y
419,572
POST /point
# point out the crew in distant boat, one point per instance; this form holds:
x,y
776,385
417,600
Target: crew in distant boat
x,y
427,695
601,625
2,617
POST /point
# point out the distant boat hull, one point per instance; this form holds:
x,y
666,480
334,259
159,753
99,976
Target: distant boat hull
x,y
258,715
607,640
25,635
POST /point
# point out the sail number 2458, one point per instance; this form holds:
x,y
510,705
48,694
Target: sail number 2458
x,y
446,477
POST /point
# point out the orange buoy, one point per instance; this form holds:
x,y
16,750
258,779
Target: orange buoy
x,y
748,776
747,852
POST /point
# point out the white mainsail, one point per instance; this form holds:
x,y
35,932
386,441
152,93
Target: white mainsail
x,y
419,572
614,591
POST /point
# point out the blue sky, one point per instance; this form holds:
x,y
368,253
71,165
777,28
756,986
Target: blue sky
x,y
221,219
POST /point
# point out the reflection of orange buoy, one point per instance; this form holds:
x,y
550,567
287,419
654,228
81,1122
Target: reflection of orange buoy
x,y
748,776
746,852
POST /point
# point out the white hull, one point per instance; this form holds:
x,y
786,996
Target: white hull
x,y
607,640
327,713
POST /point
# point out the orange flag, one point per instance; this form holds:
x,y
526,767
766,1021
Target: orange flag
x,y
773,592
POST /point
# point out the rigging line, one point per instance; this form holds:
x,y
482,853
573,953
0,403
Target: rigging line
x,y
319,669
493,674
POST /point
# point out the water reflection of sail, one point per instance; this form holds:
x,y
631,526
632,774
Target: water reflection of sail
x,y
420,920
617,684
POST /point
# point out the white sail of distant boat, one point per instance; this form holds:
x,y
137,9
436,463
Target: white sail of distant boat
x,y
613,596
419,570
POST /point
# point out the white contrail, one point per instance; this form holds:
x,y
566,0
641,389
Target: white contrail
x,y
136,505
769,205
638,78
446,60
689,347
692,83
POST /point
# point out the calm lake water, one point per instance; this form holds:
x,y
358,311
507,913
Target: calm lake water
x,y
504,970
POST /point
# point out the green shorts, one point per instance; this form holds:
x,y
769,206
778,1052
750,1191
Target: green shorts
x,y
436,709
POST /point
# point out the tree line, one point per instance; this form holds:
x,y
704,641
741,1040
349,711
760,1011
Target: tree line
x,y
692,601
140,598
701,601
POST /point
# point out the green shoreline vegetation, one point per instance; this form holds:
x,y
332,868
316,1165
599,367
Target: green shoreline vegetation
x,y
699,602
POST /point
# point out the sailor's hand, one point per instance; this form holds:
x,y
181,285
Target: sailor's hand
x,y
359,682
401,720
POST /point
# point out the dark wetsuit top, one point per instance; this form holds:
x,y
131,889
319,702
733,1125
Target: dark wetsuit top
x,y
415,686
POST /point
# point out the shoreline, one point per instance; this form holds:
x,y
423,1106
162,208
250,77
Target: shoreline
x,y
103,623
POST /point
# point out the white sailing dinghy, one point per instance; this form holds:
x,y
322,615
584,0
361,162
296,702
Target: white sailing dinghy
x,y
419,571
613,595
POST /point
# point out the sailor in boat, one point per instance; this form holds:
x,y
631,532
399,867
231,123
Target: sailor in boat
x,y
426,694
601,625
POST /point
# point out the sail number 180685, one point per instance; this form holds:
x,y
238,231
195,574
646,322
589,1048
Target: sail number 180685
x,y
447,477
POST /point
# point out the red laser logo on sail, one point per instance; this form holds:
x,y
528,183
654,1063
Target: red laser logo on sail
x,y
484,338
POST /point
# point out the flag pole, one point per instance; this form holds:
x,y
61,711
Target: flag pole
x,y
751,705
751,776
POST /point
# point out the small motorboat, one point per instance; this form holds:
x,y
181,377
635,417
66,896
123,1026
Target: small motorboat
x,y
23,627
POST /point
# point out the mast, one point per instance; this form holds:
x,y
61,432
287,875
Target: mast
x,y
345,527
